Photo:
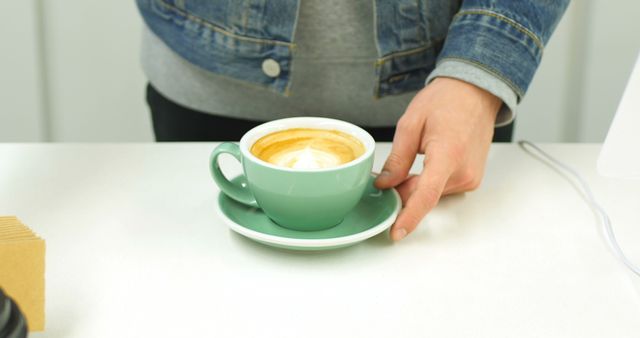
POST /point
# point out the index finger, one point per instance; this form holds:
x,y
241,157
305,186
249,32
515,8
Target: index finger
x,y
434,177
404,149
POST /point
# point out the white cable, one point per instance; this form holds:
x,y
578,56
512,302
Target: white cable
x,y
597,208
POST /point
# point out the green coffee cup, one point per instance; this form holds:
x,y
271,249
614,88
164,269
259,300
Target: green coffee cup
x,y
299,199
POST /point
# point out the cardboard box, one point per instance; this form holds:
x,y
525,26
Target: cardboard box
x,y
22,255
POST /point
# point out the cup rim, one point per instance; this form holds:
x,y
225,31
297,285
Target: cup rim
x,y
255,133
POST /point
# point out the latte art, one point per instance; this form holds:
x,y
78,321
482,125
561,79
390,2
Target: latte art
x,y
303,148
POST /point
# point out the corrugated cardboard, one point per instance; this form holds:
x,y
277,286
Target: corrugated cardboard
x,y
22,269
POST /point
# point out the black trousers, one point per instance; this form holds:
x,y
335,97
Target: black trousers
x,y
173,122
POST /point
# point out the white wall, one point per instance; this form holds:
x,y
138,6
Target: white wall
x,y
21,116
610,53
71,72
542,112
95,83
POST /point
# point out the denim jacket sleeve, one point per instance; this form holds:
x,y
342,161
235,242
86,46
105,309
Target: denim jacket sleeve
x,y
503,38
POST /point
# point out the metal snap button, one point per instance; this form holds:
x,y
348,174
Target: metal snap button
x,y
271,67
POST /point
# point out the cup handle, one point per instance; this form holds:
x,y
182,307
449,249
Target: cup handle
x,y
238,191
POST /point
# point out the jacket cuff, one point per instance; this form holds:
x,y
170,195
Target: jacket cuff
x,y
495,42
479,77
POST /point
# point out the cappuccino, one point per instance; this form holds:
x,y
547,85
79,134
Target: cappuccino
x,y
307,148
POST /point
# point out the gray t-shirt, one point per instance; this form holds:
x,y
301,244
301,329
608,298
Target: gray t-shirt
x,y
332,76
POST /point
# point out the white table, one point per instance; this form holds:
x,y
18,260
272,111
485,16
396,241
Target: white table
x,y
135,249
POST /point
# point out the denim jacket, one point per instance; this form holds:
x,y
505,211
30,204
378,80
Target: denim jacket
x,y
253,40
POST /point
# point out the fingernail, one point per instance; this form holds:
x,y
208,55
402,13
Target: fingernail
x,y
400,234
385,174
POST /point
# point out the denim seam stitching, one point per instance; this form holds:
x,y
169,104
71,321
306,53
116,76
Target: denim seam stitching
x,y
507,20
381,61
384,59
486,68
215,28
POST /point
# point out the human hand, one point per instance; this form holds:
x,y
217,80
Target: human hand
x,y
451,122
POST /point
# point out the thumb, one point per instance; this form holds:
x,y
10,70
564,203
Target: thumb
x,y
403,152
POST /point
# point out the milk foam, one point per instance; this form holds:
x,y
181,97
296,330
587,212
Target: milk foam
x,y
307,158
305,148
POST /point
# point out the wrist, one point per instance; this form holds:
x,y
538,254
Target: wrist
x,y
482,99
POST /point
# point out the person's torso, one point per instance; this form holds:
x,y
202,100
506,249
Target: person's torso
x,y
332,82
255,40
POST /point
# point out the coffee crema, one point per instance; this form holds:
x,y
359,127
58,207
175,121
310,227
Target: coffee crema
x,y
307,148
